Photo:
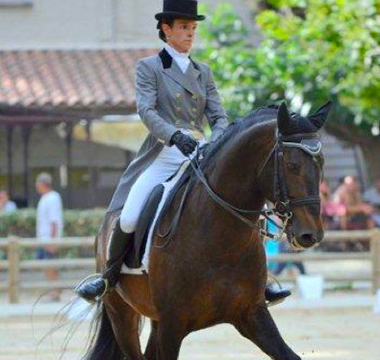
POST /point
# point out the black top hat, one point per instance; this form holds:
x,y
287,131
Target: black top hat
x,y
180,9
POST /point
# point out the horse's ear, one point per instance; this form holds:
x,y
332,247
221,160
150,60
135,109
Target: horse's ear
x,y
283,118
318,119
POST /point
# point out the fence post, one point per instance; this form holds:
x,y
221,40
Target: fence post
x,y
375,255
14,270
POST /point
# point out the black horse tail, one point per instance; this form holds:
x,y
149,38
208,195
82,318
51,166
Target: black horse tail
x,y
102,344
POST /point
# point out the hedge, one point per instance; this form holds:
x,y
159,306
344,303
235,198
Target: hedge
x,y
76,223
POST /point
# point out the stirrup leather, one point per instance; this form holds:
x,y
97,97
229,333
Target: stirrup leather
x,y
94,276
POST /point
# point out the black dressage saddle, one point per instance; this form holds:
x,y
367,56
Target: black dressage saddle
x,y
134,257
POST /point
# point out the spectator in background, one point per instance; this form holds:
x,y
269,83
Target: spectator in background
x,y
284,248
6,205
358,212
280,247
49,224
333,213
372,196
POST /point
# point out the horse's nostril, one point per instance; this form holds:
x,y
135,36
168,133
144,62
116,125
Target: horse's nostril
x,y
307,240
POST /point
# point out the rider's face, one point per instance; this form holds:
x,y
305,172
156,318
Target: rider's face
x,y
181,35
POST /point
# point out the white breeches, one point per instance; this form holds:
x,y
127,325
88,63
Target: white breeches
x,y
166,164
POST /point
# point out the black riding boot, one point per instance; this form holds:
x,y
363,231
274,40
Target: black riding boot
x,y
274,297
119,245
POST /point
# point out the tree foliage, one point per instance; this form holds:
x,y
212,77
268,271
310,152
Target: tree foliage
x,y
332,51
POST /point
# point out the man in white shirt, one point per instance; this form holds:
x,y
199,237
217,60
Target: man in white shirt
x,y
49,224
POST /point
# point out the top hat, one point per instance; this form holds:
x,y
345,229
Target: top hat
x,y
180,9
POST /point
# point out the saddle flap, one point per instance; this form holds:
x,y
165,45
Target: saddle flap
x,y
133,258
149,214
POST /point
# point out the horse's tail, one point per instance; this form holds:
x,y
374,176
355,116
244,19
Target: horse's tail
x,y
102,343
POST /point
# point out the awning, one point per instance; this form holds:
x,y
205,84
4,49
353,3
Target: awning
x,y
124,135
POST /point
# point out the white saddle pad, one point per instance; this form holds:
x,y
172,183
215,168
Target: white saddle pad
x,y
168,187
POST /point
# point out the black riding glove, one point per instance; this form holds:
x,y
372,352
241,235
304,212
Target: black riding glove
x,y
185,143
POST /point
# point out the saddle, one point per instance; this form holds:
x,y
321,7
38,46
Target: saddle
x,y
134,256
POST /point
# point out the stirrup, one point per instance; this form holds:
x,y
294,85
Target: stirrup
x,y
93,276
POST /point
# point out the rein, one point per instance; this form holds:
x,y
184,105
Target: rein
x,y
237,212
283,206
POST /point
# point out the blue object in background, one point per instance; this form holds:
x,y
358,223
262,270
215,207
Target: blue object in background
x,y
271,246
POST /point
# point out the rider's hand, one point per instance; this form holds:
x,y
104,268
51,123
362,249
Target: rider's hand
x,y
185,143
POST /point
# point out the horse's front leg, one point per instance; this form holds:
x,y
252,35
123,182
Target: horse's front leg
x,y
151,347
169,338
125,324
259,327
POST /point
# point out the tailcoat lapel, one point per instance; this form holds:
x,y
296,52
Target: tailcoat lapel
x,y
193,71
171,69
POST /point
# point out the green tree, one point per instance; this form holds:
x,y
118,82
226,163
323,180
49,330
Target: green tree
x,y
326,49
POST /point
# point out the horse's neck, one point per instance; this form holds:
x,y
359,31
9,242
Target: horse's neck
x,y
236,166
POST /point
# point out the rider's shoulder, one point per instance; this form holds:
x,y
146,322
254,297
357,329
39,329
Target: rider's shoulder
x,y
150,61
202,67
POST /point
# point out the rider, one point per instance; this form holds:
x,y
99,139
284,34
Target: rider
x,y
173,94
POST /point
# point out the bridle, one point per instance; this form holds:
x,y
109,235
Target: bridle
x,y
284,206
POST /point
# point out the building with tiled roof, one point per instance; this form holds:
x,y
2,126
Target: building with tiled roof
x,y
69,88
70,80
66,74
66,71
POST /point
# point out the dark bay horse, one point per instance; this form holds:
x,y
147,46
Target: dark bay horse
x,y
212,269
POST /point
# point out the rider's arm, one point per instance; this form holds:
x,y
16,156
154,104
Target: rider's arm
x,y
214,111
146,98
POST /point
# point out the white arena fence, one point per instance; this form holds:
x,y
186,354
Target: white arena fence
x,y
13,266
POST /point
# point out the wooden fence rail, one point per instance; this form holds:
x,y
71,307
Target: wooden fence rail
x,y
14,246
14,265
372,256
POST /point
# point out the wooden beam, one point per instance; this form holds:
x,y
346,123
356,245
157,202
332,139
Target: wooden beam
x,y
26,131
91,171
69,138
14,270
24,115
34,119
9,135
375,254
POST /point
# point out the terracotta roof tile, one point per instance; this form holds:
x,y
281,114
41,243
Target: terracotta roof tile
x,y
69,78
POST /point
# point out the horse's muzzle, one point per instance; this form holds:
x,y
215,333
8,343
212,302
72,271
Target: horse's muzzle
x,y
309,239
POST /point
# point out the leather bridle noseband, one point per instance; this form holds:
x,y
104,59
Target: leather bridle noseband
x,y
284,206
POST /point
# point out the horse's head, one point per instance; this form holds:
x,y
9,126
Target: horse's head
x,y
295,164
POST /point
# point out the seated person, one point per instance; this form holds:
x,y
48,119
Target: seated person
x,y
358,212
372,196
333,213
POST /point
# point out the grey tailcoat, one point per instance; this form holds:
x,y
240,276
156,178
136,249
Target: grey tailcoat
x,y
167,99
